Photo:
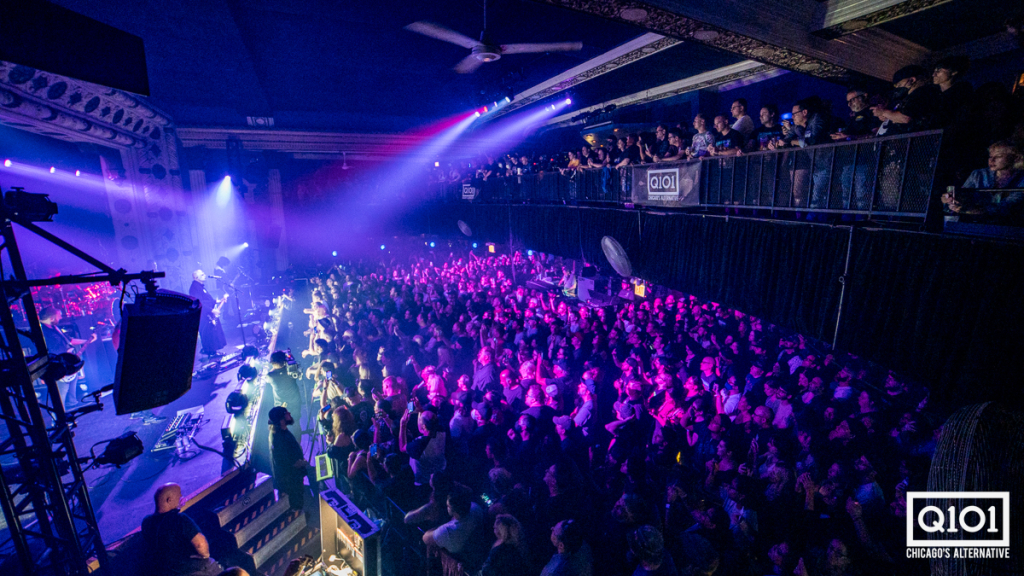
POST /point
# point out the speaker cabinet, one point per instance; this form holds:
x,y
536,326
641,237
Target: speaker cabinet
x,y
157,350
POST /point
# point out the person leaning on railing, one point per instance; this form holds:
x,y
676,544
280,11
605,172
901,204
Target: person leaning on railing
x,y
702,140
674,151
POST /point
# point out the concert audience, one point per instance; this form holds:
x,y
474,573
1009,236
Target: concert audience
x,y
972,120
662,436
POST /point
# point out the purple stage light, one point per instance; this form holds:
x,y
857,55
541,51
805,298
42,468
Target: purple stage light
x,y
53,170
7,163
381,246
78,172
245,244
568,101
335,253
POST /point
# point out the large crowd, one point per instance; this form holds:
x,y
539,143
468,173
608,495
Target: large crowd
x,y
920,100
526,432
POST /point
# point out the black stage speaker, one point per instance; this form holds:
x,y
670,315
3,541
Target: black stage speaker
x,y
157,350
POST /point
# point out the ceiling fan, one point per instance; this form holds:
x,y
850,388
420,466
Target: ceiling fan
x,y
484,50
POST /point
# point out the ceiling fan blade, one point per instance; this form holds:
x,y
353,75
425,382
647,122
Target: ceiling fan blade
x,y
541,47
468,64
439,32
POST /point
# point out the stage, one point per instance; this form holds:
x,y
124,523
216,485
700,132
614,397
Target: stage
x,y
122,497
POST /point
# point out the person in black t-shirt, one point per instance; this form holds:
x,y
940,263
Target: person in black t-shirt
x,y
631,155
661,147
57,342
173,543
284,383
770,130
728,142
862,123
914,105
954,91
288,465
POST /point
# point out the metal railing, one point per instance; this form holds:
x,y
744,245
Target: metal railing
x,y
891,176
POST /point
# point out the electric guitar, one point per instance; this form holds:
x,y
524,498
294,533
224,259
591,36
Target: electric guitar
x,y
220,304
77,351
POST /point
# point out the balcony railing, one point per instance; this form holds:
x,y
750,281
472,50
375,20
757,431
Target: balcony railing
x,y
891,176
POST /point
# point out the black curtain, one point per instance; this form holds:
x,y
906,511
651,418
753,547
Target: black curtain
x,y
787,274
947,310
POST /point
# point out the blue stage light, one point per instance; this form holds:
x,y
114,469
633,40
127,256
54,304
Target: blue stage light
x,y
245,244
381,246
474,244
431,244
335,253
529,252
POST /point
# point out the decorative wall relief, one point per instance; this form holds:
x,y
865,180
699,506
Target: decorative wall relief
x,y
153,216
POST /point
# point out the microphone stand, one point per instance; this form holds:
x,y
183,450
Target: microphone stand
x,y
238,309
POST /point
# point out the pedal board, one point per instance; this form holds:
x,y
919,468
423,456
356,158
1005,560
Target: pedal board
x,y
185,423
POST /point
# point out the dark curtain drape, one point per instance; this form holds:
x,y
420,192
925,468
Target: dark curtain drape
x,y
947,310
785,273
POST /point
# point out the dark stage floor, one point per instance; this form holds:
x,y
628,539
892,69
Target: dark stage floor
x,y
122,497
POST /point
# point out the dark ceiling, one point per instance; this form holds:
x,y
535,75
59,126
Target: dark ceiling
x,y
339,64
956,22
676,63
348,65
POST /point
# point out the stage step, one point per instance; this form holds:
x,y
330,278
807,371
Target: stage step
x,y
260,518
276,536
240,503
305,543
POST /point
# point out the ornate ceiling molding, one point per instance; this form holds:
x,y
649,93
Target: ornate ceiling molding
x,y
77,110
840,17
724,75
637,49
671,24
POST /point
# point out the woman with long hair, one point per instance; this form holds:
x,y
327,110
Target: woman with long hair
x,y
508,554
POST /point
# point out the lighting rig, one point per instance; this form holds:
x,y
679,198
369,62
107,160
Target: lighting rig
x,y
50,518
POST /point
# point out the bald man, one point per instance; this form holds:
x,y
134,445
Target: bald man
x,y
174,544
211,333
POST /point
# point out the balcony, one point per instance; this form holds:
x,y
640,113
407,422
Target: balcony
x,y
889,176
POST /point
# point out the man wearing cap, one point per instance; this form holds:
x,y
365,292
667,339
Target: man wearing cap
x,y
284,383
287,464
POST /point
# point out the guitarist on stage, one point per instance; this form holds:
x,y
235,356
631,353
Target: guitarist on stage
x,y
211,333
57,342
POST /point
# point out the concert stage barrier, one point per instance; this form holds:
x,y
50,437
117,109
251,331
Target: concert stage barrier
x,y
887,176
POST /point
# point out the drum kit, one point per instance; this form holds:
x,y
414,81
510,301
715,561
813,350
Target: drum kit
x,y
97,301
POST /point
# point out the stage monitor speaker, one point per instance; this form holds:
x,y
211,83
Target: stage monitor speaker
x,y
157,350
